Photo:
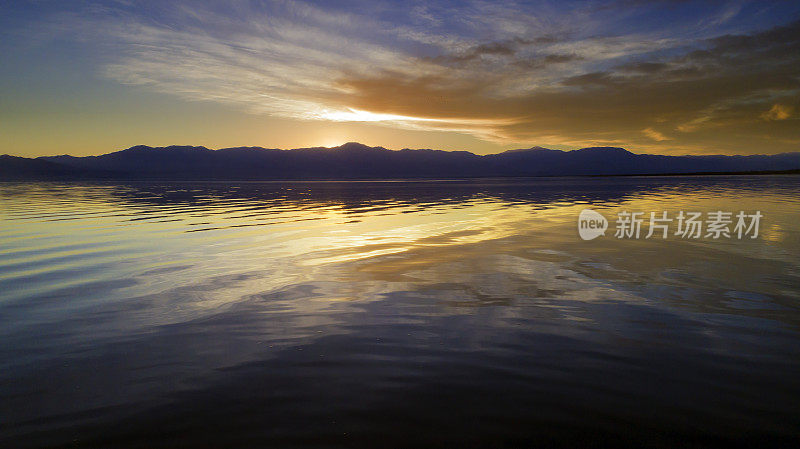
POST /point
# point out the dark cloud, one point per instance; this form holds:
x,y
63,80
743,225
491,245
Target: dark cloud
x,y
544,61
504,48
781,37
645,67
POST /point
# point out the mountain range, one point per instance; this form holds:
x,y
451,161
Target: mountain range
x,y
357,161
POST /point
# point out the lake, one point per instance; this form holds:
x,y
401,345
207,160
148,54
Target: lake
x,y
396,314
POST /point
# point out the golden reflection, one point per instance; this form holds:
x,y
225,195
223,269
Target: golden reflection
x,y
214,247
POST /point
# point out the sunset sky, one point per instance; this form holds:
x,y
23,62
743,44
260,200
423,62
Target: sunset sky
x,y
669,77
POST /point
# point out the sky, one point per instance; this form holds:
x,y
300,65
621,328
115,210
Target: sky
x,y
661,77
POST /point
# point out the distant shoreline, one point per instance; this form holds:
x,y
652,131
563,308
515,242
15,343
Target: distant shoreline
x,y
719,173
419,179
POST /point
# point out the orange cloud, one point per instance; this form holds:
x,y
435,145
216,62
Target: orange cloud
x,y
778,112
655,135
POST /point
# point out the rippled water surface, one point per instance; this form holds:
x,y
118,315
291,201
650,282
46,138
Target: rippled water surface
x,y
395,314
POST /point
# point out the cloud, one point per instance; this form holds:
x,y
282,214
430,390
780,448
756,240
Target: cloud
x,y
511,73
697,91
778,112
655,135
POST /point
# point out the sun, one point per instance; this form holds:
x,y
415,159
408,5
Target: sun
x,y
332,142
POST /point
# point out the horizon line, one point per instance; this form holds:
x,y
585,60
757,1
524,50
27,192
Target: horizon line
x,y
532,148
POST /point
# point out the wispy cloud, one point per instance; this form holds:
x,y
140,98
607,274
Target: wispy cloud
x,y
507,72
655,135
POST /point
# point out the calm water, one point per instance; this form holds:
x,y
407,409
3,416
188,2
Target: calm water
x,y
395,314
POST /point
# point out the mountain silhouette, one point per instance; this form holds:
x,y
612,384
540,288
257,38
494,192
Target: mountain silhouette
x,y
357,161
22,168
